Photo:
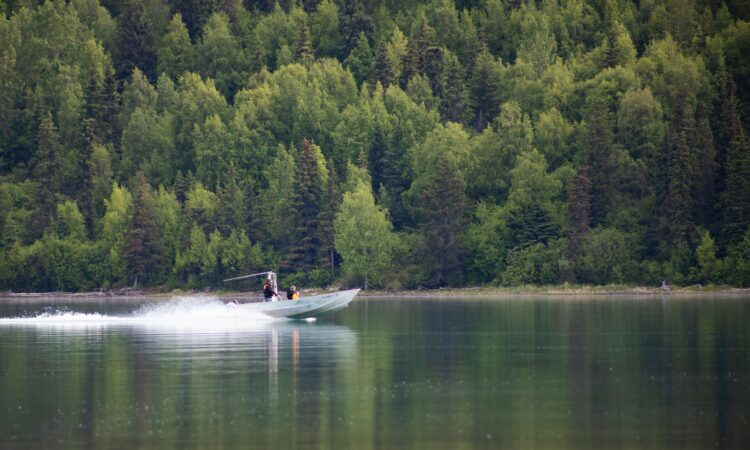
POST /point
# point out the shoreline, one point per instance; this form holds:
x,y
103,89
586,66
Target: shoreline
x,y
483,292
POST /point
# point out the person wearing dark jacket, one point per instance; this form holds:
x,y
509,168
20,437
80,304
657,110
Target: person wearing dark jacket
x,y
268,292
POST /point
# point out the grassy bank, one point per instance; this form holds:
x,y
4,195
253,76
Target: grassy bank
x,y
562,290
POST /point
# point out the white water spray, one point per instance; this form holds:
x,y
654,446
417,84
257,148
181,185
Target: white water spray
x,y
207,313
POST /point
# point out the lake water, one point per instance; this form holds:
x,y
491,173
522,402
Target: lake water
x,y
543,373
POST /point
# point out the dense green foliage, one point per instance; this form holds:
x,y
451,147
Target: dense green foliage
x,y
175,143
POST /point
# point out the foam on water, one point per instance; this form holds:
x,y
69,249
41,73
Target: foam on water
x,y
181,312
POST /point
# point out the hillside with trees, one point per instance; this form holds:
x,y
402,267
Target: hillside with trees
x,y
396,144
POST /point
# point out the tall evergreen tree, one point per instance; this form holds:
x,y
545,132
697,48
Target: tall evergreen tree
x,y
135,43
384,71
231,210
329,208
679,202
143,249
394,178
483,89
48,171
361,60
303,51
454,105
353,21
420,39
736,196
375,158
441,209
102,105
303,256
599,158
434,70
252,220
579,208
85,164
175,51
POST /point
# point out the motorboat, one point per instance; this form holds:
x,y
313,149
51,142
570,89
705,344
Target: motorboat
x,y
304,307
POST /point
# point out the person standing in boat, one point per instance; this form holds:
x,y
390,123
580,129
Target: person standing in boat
x,y
268,292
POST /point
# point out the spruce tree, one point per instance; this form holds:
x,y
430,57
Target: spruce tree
x,y
434,70
679,202
306,206
703,189
329,208
135,43
454,105
483,89
303,51
420,39
529,225
735,198
143,250
440,208
394,178
599,158
253,225
175,51
85,161
48,171
353,21
579,208
384,70
231,209
375,158
361,60
101,105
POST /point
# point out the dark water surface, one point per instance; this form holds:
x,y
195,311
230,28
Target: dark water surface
x,y
542,373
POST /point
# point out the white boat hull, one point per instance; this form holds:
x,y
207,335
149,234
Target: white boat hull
x,y
314,306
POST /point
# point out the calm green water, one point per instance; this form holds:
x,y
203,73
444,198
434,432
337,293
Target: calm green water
x,y
384,373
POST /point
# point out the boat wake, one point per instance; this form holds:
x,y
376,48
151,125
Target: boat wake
x,y
181,312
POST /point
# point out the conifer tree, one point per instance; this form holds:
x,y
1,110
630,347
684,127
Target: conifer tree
x,y
252,220
375,158
455,102
303,51
361,60
679,202
48,170
483,89
599,158
420,39
441,208
329,208
175,51
135,43
101,105
385,73
142,251
394,178
231,209
703,189
434,70
353,21
181,186
85,161
306,205
579,207
736,196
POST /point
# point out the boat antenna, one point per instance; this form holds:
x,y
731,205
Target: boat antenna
x,y
271,276
250,276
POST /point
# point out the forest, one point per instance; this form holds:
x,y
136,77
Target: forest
x,y
388,144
